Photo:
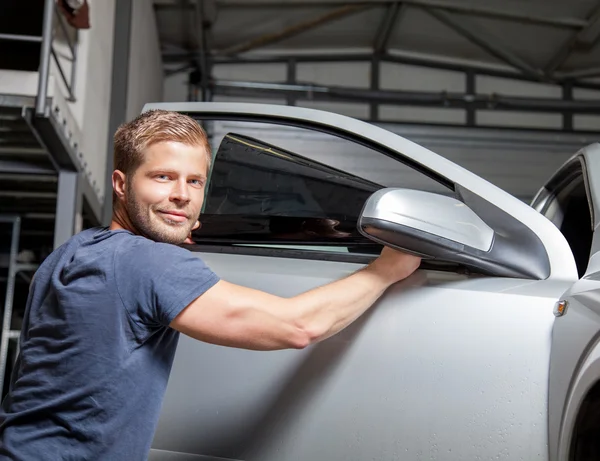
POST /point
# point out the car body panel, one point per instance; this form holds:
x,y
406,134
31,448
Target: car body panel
x,y
575,357
444,367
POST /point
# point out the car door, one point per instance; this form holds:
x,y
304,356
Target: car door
x,y
571,199
452,363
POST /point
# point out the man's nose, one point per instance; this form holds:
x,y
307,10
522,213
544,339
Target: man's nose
x,y
180,192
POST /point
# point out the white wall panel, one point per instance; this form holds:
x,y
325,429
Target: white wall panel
x,y
175,88
416,78
421,114
352,74
584,93
518,119
145,64
586,122
250,72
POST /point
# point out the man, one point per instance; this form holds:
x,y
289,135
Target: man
x,y
106,308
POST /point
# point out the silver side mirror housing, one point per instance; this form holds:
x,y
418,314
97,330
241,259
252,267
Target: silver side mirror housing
x,y
470,232
424,223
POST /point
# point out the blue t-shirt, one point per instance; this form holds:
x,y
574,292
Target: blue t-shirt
x,y
96,348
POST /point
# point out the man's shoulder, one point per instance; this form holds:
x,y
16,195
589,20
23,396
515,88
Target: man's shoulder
x,y
140,253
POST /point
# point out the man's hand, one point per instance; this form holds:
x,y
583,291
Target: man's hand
x,y
189,237
393,265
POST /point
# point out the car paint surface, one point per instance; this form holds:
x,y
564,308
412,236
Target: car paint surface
x,y
575,353
443,367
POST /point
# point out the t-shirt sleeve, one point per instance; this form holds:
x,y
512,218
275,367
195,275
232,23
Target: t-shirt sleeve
x,y
156,281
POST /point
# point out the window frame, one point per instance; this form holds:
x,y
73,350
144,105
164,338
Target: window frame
x,y
552,244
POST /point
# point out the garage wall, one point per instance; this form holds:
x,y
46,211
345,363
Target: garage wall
x,y
400,77
145,63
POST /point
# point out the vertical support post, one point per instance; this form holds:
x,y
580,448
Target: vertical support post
x,y
471,90
44,70
8,301
291,80
74,66
375,72
118,92
567,116
203,53
68,207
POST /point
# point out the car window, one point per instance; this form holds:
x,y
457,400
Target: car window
x,y
282,187
565,202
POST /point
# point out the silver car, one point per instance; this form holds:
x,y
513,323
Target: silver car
x,y
489,352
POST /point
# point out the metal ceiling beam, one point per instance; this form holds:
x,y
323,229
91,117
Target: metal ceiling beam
x,y
184,18
123,16
429,62
477,37
387,26
29,151
578,38
494,13
22,167
270,38
203,50
172,58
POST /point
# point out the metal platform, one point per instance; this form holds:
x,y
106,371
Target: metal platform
x,y
33,155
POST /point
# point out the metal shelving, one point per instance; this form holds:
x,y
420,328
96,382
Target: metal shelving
x,y
14,268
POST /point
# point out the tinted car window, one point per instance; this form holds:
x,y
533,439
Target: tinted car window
x,y
263,194
259,193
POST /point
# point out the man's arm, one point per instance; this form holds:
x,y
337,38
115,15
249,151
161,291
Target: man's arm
x,y
232,315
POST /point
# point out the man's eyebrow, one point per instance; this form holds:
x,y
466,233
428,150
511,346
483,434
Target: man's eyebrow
x,y
173,172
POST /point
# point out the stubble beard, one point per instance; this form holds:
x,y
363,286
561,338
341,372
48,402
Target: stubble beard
x,y
164,231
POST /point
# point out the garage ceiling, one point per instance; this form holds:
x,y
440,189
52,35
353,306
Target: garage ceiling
x,y
546,40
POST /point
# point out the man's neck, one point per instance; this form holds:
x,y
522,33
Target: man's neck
x,y
120,221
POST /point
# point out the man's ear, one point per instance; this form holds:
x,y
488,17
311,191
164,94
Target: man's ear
x,y
118,183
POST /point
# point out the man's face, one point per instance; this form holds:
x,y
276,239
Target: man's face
x,y
164,197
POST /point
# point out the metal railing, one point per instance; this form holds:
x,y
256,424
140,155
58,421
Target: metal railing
x,y
48,51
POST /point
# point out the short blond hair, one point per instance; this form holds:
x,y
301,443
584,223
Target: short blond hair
x,y
133,138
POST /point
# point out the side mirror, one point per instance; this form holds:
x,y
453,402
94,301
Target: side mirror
x,y
430,225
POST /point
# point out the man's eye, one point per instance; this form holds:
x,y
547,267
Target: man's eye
x,y
163,177
196,182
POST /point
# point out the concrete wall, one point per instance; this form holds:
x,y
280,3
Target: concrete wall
x,y
145,64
